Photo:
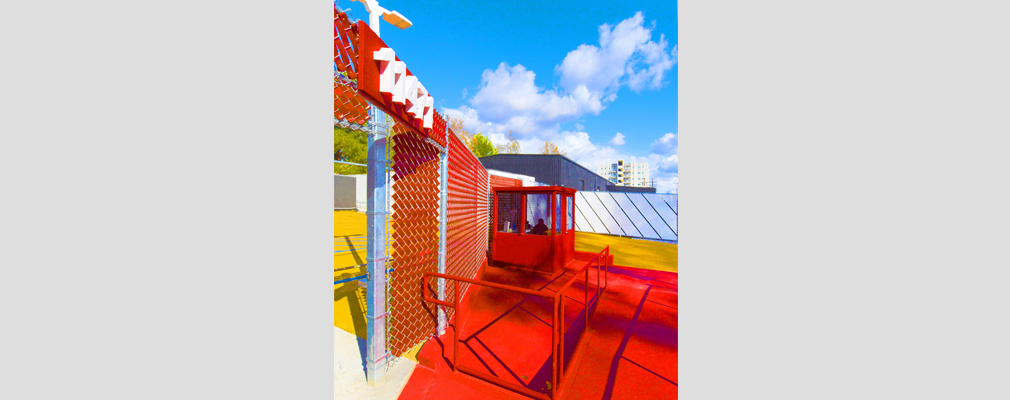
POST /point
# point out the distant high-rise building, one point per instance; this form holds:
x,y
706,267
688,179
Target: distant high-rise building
x,y
622,174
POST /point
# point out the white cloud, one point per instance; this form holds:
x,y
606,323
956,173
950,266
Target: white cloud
x,y
590,76
627,55
470,119
667,185
507,98
618,140
666,144
670,163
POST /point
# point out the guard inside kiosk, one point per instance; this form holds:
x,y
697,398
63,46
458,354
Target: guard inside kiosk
x,y
533,228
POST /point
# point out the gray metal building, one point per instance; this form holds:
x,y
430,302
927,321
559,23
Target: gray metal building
x,y
556,170
630,189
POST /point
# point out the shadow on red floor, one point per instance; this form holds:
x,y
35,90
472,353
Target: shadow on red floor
x,y
629,352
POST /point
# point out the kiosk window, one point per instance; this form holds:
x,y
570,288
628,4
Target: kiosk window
x,y
508,212
557,213
538,215
571,211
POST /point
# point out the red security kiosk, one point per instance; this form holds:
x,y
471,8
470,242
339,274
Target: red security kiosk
x,y
533,227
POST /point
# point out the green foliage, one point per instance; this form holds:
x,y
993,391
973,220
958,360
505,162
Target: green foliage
x,y
353,146
481,146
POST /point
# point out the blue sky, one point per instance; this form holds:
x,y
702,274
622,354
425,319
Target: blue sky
x,y
574,73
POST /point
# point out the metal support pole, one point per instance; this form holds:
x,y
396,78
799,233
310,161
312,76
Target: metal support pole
x,y
377,357
443,199
586,300
455,330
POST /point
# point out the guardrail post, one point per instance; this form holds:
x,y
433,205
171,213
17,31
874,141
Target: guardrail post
x,y
599,289
376,355
455,330
554,352
606,272
561,333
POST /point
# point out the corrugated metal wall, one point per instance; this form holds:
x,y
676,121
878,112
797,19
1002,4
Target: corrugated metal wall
x,y
553,170
556,170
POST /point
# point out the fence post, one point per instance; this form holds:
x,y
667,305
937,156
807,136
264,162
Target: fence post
x,y
377,357
443,190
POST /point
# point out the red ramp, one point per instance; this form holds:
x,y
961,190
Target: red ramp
x,y
630,350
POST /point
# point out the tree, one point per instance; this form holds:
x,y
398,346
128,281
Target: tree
x,y
551,148
456,125
478,144
481,146
351,146
511,148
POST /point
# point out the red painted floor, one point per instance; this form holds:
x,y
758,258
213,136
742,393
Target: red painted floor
x,y
629,352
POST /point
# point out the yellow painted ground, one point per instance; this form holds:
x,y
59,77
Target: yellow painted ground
x,y
630,252
349,298
349,304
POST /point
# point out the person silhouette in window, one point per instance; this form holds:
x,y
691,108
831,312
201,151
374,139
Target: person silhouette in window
x,y
540,229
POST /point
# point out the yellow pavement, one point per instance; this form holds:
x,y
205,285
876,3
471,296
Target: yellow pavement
x,y
645,254
349,298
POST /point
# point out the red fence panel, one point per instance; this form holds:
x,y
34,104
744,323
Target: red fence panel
x,y
345,44
415,239
414,225
501,181
348,105
467,215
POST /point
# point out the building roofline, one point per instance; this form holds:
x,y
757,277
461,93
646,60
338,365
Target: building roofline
x,y
550,155
533,189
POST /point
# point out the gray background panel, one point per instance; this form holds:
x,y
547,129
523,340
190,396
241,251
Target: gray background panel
x,y
593,203
665,232
636,216
620,214
594,223
644,215
664,210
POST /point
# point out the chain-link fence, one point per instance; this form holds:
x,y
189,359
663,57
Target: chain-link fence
x,y
467,216
415,239
412,187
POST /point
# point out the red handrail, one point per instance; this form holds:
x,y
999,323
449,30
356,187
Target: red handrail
x,y
559,353
558,338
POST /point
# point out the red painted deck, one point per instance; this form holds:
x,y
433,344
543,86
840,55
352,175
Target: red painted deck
x,y
630,351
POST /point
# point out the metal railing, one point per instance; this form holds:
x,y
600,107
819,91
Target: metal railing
x,y
602,261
